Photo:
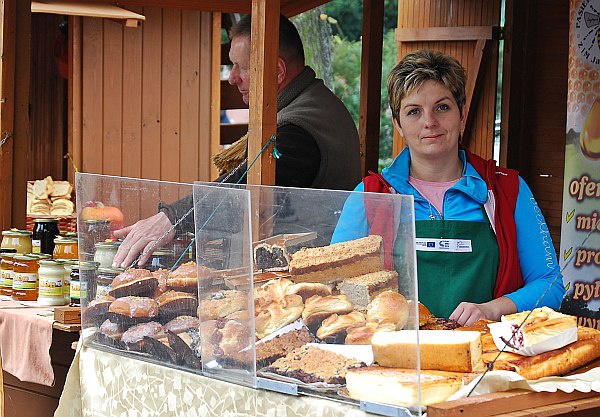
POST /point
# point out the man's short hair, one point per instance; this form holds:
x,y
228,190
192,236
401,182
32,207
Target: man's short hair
x,y
290,44
420,66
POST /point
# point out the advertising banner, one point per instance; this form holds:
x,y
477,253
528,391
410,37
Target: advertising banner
x,y
580,233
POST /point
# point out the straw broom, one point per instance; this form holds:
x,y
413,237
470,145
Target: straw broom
x,y
229,159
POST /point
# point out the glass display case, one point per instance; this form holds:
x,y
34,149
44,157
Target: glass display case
x,y
272,288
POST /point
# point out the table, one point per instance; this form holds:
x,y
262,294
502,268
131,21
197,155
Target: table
x,y
35,399
102,383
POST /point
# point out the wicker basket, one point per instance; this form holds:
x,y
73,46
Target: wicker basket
x,y
65,223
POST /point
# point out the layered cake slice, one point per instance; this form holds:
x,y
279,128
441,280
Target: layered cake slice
x,y
338,261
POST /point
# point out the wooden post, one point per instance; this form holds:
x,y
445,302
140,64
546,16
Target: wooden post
x,y
263,89
8,20
370,84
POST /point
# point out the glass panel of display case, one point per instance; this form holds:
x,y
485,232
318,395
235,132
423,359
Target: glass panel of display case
x,y
330,269
223,255
149,309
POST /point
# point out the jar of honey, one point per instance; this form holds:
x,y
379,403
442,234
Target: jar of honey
x,y
25,278
50,283
65,248
92,232
44,233
105,253
20,240
6,273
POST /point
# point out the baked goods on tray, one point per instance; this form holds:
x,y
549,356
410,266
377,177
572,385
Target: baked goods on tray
x,y
317,309
338,261
310,364
334,328
389,307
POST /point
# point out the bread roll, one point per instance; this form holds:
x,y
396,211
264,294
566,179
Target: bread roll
x,y
362,335
334,328
277,314
318,308
443,350
389,307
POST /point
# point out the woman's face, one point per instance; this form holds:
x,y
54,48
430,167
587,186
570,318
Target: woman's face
x,y
430,121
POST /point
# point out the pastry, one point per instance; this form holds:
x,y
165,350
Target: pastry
x,y
134,336
334,328
311,364
221,304
389,307
128,310
443,350
161,276
333,263
269,257
182,324
276,314
185,277
533,327
136,282
362,335
96,310
318,308
176,303
308,289
361,290
273,290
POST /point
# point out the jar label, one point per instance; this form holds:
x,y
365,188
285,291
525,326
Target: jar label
x,y
36,246
24,281
66,287
78,290
51,287
6,278
102,290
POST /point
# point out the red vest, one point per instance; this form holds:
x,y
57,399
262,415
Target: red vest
x,y
504,184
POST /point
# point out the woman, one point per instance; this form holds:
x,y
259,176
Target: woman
x,y
492,254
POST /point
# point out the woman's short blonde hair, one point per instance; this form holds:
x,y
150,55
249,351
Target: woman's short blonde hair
x,y
424,65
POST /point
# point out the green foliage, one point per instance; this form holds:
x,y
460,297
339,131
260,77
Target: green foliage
x,y
349,16
346,70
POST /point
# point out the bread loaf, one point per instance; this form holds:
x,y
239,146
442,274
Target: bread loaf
x,y
401,386
339,261
443,350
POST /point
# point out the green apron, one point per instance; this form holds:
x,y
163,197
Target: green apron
x,y
447,278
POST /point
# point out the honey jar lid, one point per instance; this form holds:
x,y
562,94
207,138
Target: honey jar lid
x,y
46,220
15,232
25,258
65,240
86,265
8,255
108,244
50,262
7,250
110,271
39,256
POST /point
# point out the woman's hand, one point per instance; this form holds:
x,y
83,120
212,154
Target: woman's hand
x,y
142,237
468,313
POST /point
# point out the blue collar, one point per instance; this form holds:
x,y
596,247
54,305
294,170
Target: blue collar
x,y
471,183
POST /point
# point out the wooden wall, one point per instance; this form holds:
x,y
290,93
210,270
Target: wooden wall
x,y
141,97
459,13
534,103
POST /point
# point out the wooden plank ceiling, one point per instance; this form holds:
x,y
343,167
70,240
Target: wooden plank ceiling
x,y
288,7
